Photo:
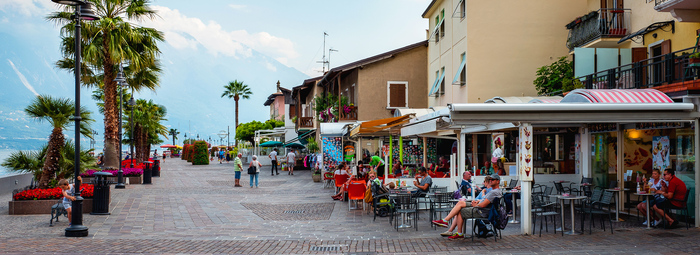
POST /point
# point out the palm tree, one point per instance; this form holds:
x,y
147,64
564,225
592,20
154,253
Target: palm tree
x,y
56,111
107,43
147,127
236,90
173,132
32,161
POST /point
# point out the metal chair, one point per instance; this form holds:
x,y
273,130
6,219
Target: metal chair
x,y
685,207
495,205
405,204
440,203
328,180
544,209
596,208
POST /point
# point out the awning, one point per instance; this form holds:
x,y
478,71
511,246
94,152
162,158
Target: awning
x,y
461,67
523,100
333,129
373,126
420,128
649,29
416,111
613,96
545,101
438,81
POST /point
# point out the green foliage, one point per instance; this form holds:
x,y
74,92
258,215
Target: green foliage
x,y
326,107
200,156
32,161
555,77
187,152
246,131
312,145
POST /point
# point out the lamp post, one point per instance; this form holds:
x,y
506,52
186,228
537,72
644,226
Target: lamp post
x,y
121,81
132,103
82,11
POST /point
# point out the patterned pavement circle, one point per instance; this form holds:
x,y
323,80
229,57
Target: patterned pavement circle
x,y
291,212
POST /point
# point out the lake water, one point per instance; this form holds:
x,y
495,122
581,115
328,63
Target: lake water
x,y
5,153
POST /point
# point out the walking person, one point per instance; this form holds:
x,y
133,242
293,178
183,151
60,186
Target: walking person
x,y
273,157
256,164
237,166
291,161
221,156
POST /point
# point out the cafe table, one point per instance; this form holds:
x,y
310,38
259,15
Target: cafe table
x,y
617,204
646,196
392,195
573,219
513,219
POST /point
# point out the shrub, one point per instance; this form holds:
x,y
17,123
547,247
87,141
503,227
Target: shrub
x,y
53,193
200,155
187,152
127,172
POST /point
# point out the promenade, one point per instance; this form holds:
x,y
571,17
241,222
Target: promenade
x,y
196,209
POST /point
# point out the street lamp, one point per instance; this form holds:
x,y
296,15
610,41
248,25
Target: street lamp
x,y
132,103
82,11
121,81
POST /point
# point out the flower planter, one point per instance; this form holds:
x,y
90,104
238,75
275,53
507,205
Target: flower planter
x,y
132,180
316,177
25,207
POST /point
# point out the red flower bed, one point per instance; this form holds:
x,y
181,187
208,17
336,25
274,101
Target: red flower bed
x,y
47,194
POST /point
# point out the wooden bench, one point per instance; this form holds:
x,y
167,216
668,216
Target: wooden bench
x,y
56,211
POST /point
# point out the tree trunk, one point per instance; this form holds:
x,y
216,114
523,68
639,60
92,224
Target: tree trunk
x,y
235,129
144,145
53,155
138,154
111,121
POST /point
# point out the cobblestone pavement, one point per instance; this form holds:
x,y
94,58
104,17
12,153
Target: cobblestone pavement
x,y
196,209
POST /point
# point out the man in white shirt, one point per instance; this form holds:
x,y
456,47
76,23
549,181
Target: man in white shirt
x,y
291,161
273,157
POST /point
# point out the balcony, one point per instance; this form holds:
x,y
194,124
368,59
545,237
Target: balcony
x,y
681,10
666,73
349,113
306,122
599,29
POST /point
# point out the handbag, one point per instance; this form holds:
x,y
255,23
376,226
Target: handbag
x,y
251,170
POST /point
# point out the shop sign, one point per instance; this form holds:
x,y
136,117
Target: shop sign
x,y
602,127
658,125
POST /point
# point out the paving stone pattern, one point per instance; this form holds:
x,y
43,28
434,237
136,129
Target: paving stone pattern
x,y
196,209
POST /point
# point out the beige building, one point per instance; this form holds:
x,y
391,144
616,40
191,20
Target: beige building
x,y
482,49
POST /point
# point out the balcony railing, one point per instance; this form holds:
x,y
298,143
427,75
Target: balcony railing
x,y
653,72
306,122
603,23
658,2
349,113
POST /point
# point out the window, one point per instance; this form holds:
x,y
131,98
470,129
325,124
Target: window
x,y
442,81
436,32
463,9
461,76
442,23
397,94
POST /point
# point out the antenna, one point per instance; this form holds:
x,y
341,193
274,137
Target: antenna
x,y
329,57
324,62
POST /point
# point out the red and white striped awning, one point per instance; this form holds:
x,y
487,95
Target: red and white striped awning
x,y
613,96
546,101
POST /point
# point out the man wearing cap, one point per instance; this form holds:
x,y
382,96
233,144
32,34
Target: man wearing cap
x,y
478,208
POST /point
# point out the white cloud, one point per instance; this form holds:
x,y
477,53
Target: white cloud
x,y
28,7
22,78
184,32
237,6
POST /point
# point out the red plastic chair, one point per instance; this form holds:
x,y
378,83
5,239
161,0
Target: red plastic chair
x,y
356,191
340,180
328,179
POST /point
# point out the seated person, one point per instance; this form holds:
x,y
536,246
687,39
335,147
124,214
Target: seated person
x,y
466,185
498,168
478,208
444,164
342,170
654,185
674,193
425,183
398,169
487,169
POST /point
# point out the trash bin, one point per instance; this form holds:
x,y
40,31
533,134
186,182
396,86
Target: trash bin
x,y
100,199
147,172
155,172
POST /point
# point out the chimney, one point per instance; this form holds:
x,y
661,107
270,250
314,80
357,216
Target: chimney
x,y
278,86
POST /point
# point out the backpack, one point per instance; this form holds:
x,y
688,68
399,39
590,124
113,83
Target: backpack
x,y
368,195
498,216
483,230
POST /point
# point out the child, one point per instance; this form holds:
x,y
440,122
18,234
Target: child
x,y
67,189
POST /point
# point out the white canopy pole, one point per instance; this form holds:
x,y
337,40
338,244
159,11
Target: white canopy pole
x,y
526,173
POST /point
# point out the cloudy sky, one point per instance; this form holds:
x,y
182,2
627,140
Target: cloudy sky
x,y
281,36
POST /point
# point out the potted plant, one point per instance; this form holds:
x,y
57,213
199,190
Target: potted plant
x,y
312,146
694,58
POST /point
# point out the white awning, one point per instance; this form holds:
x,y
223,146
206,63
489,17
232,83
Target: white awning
x,y
420,128
416,111
333,129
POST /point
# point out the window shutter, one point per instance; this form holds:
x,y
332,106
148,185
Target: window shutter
x,y
397,97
